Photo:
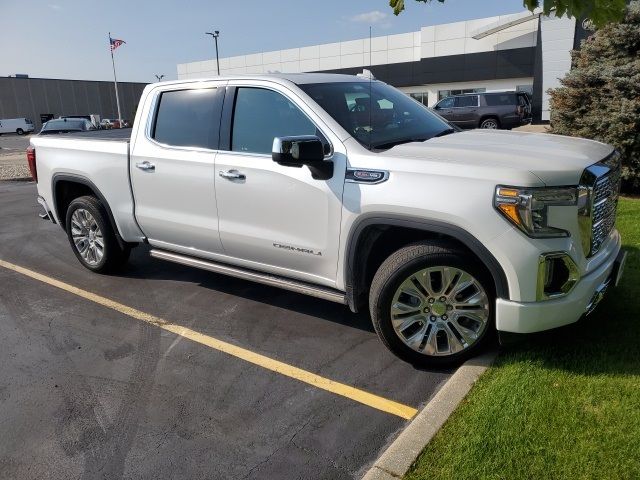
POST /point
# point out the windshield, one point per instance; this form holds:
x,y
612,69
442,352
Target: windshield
x,y
375,114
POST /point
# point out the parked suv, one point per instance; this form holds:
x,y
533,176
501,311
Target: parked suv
x,y
348,190
493,110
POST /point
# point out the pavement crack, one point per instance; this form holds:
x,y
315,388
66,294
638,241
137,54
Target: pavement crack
x,y
272,454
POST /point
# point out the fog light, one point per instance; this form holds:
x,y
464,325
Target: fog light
x,y
557,275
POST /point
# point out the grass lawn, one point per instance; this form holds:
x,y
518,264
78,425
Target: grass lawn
x,y
564,405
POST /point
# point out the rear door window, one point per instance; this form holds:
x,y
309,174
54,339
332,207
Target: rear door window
x,y
467,101
188,118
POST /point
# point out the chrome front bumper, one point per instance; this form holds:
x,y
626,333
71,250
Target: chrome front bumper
x,y
530,317
616,275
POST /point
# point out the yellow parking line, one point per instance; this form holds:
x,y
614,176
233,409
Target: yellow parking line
x,y
366,398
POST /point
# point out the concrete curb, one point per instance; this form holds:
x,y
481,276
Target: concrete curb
x,y
396,460
17,179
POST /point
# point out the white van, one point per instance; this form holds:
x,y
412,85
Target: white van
x,y
16,125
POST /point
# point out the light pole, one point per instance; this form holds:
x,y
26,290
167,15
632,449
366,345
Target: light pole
x,y
215,35
159,77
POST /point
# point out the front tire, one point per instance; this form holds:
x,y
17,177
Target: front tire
x,y
20,131
91,236
490,123
432,305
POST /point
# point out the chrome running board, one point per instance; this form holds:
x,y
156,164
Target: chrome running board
x,y
251,275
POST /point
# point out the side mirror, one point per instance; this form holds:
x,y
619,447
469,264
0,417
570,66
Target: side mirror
x,y
436,107
302,150
297,151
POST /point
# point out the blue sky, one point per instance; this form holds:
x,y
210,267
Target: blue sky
x,y
68,38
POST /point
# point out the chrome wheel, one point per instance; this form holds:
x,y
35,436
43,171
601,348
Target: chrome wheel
x,y
440,311
87,236
490,124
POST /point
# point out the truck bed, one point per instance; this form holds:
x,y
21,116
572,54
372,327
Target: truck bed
x,y
99,159
116,134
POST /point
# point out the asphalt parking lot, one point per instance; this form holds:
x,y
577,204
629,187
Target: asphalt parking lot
x,y
91,391
10,142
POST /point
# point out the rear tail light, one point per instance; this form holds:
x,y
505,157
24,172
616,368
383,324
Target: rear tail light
x,y
31,160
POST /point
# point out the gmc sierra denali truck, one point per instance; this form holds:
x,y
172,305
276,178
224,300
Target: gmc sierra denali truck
x,y
346,189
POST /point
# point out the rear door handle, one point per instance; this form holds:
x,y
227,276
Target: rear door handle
x,y
232,175
146,166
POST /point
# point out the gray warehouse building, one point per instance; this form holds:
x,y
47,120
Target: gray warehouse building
x,y
33,97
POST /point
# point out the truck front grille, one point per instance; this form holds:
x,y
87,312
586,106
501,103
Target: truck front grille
x,y
601,186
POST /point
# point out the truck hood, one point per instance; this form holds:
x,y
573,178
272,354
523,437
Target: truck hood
x,y
554,159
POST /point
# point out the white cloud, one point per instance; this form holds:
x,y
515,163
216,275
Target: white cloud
x,y
375,16
53,6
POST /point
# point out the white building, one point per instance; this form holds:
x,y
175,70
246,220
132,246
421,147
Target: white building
x,y
522,51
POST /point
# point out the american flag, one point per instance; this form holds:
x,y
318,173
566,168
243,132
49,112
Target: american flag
x,y
115,43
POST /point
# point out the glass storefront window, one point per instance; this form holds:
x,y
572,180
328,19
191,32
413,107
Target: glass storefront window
x,y
422,97
446,93
525,88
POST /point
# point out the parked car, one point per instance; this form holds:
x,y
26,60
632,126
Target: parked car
x,y
66,125
493,110
108,124
444,236
16,125
93,118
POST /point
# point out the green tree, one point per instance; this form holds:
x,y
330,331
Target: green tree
x,y
600,12
600,97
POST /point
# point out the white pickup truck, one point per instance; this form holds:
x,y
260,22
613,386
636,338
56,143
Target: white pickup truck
x,y
346,189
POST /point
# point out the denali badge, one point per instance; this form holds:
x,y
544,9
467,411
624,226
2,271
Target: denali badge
x,y
297,249
361,175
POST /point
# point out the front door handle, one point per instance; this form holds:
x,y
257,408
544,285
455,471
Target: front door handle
x,y
146,166
232,175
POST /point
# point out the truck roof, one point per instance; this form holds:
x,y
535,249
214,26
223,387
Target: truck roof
x,y
297,78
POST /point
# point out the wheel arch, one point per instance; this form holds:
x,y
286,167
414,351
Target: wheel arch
x,y
66,187
368,231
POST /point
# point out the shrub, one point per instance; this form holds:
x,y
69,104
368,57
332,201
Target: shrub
x,y
600,97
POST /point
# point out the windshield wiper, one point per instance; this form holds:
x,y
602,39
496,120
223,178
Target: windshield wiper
x,y
444,132
387,145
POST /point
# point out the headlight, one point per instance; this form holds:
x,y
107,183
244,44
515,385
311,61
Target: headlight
x,y
527,208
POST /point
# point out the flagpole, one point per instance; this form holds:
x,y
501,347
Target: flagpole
x,y
115,82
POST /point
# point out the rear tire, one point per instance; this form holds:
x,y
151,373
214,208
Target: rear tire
x,y
91,236
20,131
429,323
